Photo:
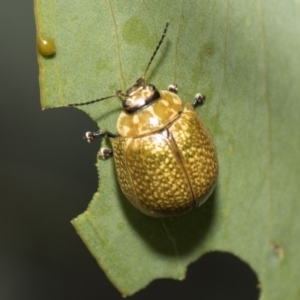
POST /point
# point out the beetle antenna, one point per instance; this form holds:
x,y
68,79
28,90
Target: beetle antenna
x,y
155,51
90,102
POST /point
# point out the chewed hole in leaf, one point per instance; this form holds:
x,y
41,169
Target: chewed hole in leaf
x,y
217,275
221,275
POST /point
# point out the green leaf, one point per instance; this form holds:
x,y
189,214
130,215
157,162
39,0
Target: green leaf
x,y
244,56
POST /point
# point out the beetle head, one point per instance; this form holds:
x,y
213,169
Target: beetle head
x,y
138,96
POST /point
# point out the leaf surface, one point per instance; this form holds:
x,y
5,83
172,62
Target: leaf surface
x,y
244,56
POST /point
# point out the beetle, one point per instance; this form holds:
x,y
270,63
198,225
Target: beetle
x,y
165,158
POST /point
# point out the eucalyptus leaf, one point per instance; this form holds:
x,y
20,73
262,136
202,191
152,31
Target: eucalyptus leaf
x,y
244,56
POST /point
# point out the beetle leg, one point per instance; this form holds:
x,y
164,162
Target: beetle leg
x,y
90,136
173,88
104,152
198,100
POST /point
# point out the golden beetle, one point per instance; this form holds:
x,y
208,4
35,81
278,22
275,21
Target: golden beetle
x,y
165,159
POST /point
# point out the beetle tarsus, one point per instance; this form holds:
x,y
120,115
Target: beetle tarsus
x,y
173,88
198,100
90,136
105,153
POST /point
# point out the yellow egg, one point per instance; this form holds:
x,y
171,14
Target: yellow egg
x,y
46,46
